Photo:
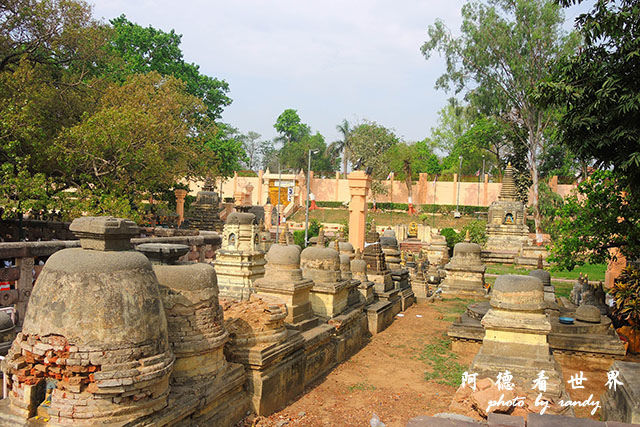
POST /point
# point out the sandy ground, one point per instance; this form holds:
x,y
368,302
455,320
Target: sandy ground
x,y
387,378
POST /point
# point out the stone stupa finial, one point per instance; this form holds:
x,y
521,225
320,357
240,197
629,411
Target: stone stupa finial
x,y
261,225
283,237
508,190
466,237
358,254
373,225
540,266
320,242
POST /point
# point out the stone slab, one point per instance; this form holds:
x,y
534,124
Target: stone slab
x,y
537,420
427,421
503,420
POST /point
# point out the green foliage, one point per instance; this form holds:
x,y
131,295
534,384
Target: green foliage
x,y
290,127
314,230
369,143
602,214
451,236
550,202
95,118
477,233
148,49
598,87
505,50
297,140
626,295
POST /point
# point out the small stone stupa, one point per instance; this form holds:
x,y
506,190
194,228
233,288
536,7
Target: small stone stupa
x,y
399,274
359,273
93,348
264,237
329,295
549,289
516,336
465,271
283,280
204,212
239,261
507,230
377,271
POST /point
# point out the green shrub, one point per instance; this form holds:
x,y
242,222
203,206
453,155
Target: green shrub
x,y
328,204
451,236
314,230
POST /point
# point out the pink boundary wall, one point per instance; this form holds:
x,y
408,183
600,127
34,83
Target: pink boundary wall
x,y
337,190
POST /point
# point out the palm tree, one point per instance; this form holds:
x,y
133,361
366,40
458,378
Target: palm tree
x,y
344,144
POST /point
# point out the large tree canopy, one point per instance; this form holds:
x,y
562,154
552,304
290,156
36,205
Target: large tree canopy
x,y
599,88
94,118
505,49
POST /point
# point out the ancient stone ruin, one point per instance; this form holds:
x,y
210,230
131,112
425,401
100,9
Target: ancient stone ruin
x,y
506,226
465,271
240,261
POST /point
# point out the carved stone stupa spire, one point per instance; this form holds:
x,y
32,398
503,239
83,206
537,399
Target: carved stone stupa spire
x,y
508,190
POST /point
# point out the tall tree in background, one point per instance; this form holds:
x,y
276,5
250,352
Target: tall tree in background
x,y
343,145
148,49
599,89
506,48
113,112
297,140
251,145
369,144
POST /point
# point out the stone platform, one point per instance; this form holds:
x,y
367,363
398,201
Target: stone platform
x,y
599,340
623,404
501,420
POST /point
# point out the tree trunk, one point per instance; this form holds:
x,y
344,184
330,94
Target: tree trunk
x,y
344,162
533,168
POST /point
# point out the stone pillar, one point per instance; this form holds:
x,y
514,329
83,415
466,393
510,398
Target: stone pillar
x,y
268,213
260,175
359,185
455,188
25,286
553,183
235,183
248,194
485,191
180,195
614,268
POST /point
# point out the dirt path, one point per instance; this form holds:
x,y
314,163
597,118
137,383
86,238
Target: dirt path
x,y
403,372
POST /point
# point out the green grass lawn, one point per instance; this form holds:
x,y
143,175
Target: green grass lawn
x,y
338,215
594,271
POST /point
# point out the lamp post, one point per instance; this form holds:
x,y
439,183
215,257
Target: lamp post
x,y
278,205
457,213
306,216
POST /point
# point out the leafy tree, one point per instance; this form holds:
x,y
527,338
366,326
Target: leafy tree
x,y
140,138
453,122
370,141
343,145
251,145
600,216
148,49
598,87
297,140
290,127
408,161
505,50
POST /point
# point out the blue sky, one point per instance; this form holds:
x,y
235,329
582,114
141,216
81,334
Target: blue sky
x,y
329,59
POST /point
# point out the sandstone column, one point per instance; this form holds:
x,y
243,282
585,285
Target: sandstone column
x,y
359,185
455,188
268,213
260,178
180,195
